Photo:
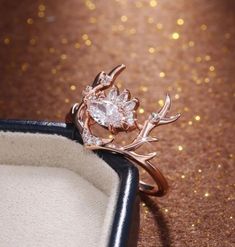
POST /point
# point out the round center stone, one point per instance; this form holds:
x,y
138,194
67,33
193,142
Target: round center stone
x,y
105,113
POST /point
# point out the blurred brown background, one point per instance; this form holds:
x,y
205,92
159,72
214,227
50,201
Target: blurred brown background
x,y
50,50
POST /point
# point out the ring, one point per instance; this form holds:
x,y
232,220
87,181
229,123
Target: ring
x,y
116,112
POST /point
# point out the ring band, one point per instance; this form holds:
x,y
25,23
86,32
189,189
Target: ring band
x,y
161,185
153,190
116,112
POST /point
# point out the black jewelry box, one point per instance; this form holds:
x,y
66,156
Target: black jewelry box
x,y
55,193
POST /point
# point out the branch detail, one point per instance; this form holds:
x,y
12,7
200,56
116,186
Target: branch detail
x,y
116,112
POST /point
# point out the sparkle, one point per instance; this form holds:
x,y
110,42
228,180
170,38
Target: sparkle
x,y
175,35
90,5
190,122
166,210
144,89
177,96
161,102
197,118
66,100
6,41
150,20
206,194
198,59
85,36
159,26
124,18
199,170
151,50
153,3
41,14
88,42
180,148
32,41
30,21
63,56
180,22
120,27
41,7
211,68
207,58
191,43
207,80
162,74
123,142
24,66
203,27
51,50
182,176
119,84
197,80
77,45
72,87
141,110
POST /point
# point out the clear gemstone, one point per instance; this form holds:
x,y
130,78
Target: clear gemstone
x,y
113,109
155,115
89,139
106,80
112,95
130,118
123,97
105,112
130,105
87,90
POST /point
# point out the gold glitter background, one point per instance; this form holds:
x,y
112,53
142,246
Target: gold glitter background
x,y
50,50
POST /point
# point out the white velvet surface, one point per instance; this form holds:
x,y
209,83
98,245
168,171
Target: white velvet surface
x,y
53,193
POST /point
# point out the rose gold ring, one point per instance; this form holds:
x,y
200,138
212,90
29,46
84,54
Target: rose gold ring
x,y
116,112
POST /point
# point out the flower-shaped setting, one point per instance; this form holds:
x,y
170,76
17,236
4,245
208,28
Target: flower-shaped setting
x,y
114,111
117,112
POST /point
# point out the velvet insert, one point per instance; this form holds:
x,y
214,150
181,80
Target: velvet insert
x,y
54,192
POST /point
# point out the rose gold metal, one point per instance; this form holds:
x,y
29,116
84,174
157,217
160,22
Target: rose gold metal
x,y
82,118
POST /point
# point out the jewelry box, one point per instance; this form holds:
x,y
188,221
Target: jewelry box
x,y
56,193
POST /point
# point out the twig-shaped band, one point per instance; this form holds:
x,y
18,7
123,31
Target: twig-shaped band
x,y
116,112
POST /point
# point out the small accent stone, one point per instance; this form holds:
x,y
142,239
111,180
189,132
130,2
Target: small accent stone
x,y
112,93
130,105
89,139
155,115
113,109
105,80
123,97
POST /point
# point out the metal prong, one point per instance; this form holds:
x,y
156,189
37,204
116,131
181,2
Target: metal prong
x,y
116,71
166,107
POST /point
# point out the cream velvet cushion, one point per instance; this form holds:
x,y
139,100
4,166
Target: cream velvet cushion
x,y
53,193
